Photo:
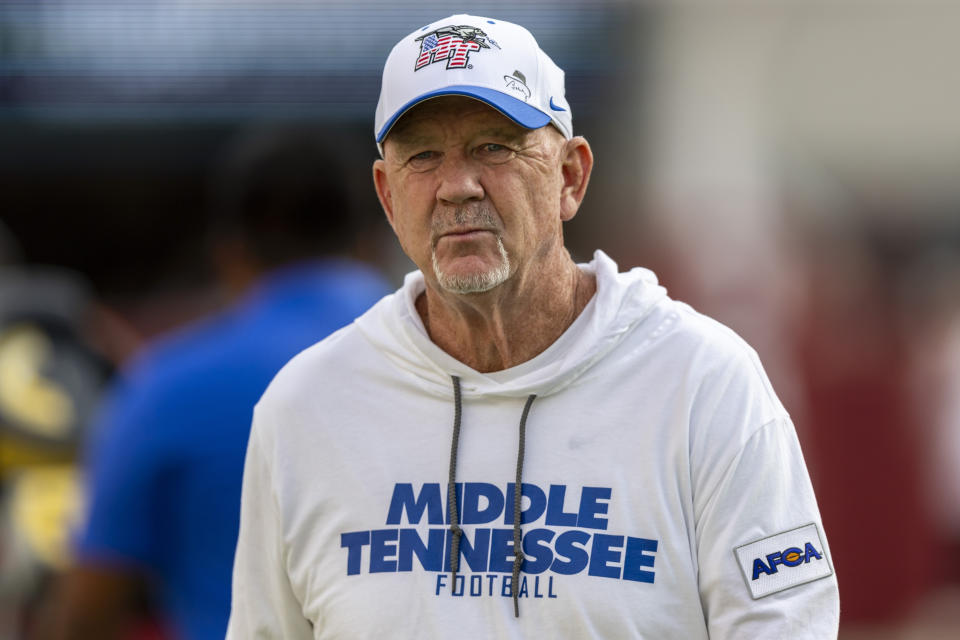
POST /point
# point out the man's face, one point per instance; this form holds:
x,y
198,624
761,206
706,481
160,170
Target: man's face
x,y
472,196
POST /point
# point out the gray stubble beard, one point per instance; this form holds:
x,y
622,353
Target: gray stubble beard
x,y
477,282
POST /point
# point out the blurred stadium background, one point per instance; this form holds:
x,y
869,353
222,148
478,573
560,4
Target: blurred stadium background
x,y
789,167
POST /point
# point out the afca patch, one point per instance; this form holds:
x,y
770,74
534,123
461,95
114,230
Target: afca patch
x,y
784,560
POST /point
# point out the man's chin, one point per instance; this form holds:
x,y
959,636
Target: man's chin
x,y
472,273
464,282
464,278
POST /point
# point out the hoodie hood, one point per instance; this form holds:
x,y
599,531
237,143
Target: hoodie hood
x,y
621,302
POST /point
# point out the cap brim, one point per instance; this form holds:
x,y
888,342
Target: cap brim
x,y
517,110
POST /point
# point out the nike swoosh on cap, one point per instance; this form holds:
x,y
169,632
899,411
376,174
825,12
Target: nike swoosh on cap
x,y
555,107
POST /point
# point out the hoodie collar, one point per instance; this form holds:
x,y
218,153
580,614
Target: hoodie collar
x,y
620,303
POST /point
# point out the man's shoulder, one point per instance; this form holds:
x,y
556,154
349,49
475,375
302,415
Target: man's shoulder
x,y
679,327
721,368
658,321
705,352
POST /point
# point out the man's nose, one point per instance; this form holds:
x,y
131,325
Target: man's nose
x,y
459,180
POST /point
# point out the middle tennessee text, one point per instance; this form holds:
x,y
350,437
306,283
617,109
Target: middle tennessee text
x,y
577,547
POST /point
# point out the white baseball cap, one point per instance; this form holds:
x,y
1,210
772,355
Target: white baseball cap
x,y
493,61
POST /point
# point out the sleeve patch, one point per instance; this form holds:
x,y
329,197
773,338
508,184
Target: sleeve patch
x,y
783,561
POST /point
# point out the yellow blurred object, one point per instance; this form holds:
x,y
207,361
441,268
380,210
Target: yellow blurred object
x,y
16,453
27,396
46,505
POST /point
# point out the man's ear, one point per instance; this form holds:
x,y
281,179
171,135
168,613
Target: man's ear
x,y
382,186
576,167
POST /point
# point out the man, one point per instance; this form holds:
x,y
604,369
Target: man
x,y
662,493
166,461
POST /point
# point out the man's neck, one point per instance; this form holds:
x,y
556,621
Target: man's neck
x,y
510,324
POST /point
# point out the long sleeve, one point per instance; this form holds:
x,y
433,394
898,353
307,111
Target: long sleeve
x,y
765,568
264,604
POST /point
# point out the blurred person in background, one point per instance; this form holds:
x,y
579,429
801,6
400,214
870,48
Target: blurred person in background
x,y
166,458
53,369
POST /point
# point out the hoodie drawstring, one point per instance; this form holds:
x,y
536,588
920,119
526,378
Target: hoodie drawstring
x,y
517,491
453,515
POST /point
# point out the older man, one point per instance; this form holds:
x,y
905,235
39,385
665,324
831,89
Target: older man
x,y
662,491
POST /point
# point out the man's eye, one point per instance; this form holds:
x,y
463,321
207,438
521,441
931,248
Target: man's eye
x,y
494,152
423,155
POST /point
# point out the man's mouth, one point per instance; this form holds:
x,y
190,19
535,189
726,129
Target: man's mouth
x,y
466,233
463,234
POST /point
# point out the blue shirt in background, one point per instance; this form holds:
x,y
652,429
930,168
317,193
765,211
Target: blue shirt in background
x,y
166,457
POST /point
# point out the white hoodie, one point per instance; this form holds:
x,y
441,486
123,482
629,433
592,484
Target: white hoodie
x,y
664,491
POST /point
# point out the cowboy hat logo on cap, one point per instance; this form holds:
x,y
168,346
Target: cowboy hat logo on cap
x,y
453,44
518,84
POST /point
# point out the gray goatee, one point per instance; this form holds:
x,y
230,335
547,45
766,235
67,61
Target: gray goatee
x,y
480,218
